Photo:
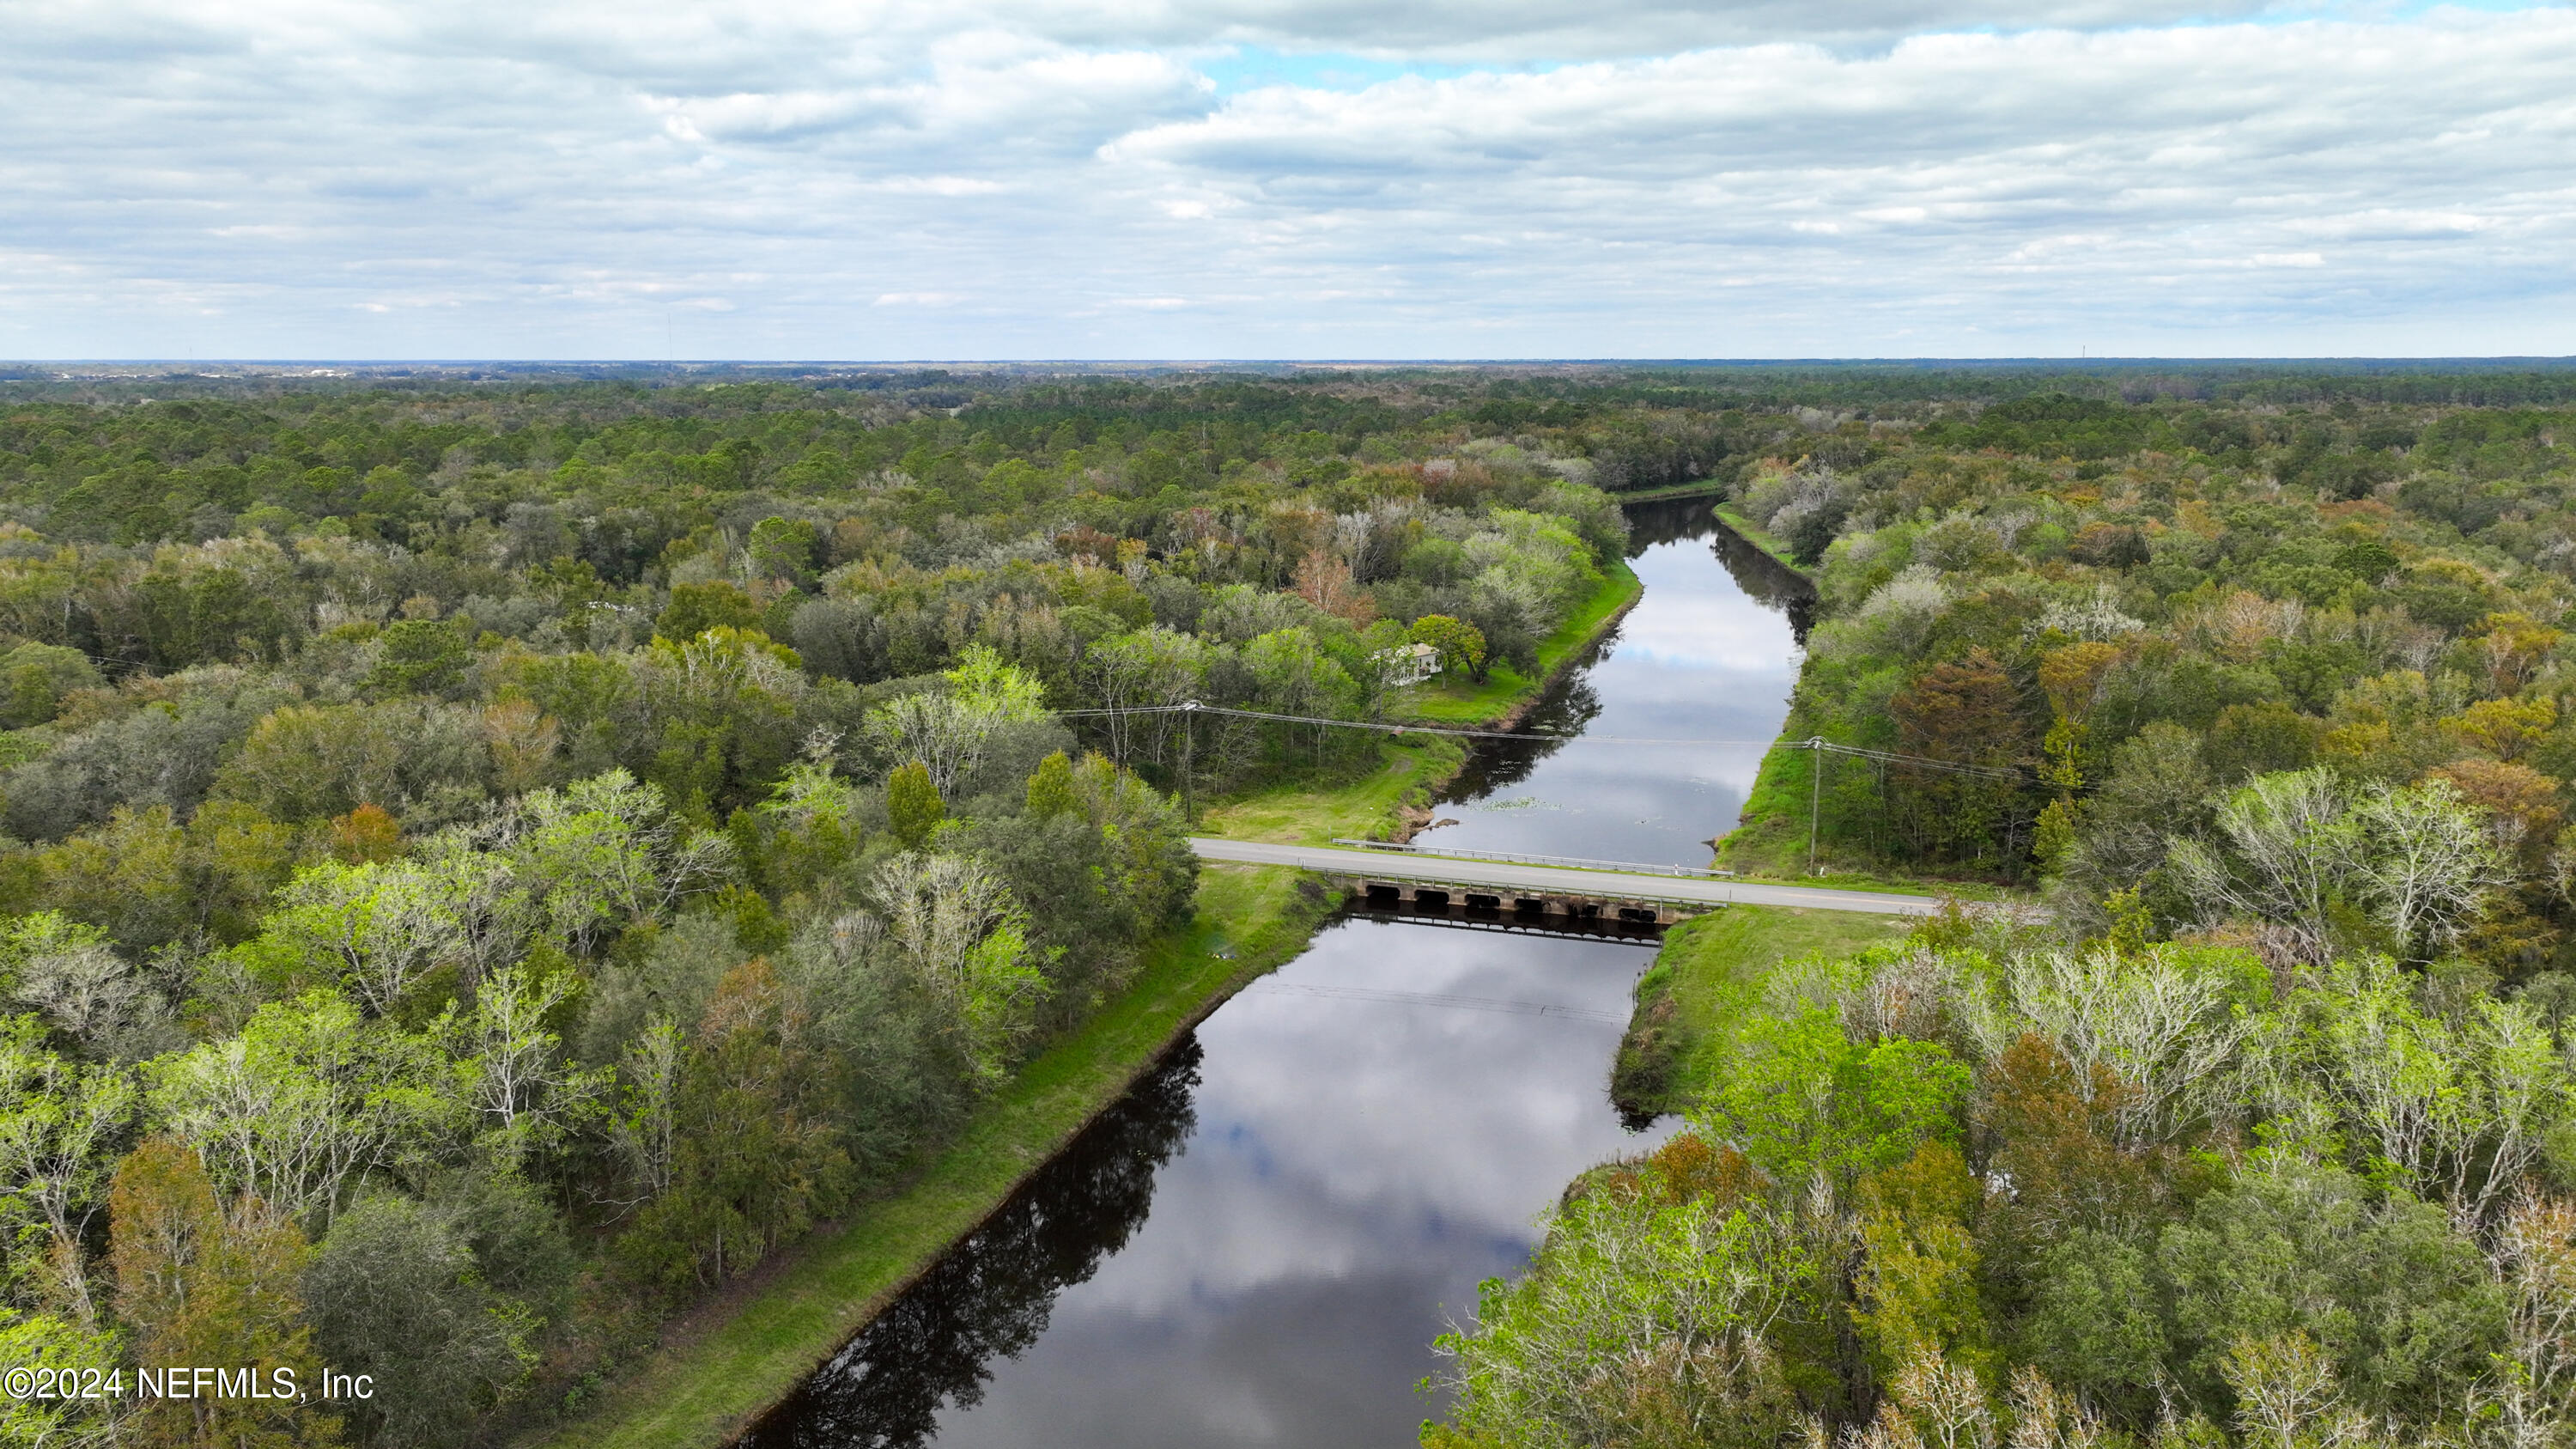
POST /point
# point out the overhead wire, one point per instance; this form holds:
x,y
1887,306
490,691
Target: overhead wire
x,y
1815,743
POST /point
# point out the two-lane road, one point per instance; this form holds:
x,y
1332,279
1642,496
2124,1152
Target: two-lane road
x,y
1391,865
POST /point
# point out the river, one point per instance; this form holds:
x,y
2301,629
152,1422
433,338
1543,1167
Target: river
x,y
1257,1245
1709,653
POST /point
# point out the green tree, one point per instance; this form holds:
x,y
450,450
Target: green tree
x,y
420,656
813,817
307,1100
68,974
2307,858
719,716
527,1096
34,678
394,1292
783,549
1461,644
42,1341
913,806
1806,1098
201,1289
949,730
1050,790
1648,1319
752,1156
1918,1285
2093,1324
953,928
696,608
61,1124
2401,1303
375,929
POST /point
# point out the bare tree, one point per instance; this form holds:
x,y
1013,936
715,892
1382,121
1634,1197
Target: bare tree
x,y
59,1124
525,1091
2295,847
2534,1386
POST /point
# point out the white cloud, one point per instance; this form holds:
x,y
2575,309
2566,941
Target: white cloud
x,y
562,179
1553,30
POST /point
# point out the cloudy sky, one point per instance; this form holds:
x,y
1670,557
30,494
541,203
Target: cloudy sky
x,y
1283,178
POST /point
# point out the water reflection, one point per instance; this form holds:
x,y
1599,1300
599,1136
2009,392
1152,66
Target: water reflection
x,y
1369,1132
1710,653
989,1299
1258,1245
1768,581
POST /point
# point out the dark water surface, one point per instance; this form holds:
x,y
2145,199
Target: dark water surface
x,y
1257,1245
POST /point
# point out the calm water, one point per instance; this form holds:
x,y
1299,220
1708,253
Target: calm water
x,y
1709,653
1256,1247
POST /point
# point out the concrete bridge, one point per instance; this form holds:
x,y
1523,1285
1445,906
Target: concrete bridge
x,y
1607,895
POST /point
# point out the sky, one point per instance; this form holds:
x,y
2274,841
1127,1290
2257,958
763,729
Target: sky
x,y
1328,179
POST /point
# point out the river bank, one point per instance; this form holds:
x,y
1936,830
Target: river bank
x,y
719,1365
1779,550
1711,970
1312,1185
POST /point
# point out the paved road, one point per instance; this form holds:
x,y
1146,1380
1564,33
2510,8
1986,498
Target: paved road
x,y
1390,865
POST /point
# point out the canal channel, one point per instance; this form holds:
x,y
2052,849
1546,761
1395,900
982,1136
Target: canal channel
x,y
1257,1245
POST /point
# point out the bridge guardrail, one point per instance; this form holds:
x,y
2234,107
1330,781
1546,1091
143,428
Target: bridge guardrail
x,y
1513,857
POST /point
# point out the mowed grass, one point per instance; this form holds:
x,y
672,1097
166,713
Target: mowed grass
x,y
1408,771
1767,542
1703,488
1461,702
1710,972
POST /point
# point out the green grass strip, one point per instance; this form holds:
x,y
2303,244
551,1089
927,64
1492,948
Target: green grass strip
x,y
1700,488
1709,976
1768,543
1299,815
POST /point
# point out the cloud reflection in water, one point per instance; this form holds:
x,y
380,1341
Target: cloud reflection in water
x,y
1349,1168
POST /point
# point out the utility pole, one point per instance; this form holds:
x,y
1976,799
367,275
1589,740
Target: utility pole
x,y
1189,738
1815,793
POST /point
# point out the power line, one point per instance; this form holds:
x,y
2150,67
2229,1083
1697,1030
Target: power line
x,y
1891,757
1812,743
1522,736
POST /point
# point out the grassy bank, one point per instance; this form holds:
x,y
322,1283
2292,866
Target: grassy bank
x,y
1769,841
1409,770
1700,488
1451,701
724,1363
1710,971
1766,542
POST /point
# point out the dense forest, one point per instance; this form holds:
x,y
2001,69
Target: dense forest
x,y
2255,1124
490,859
487,866
2144,613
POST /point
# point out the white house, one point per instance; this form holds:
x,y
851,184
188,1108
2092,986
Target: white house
x,y
1407,664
